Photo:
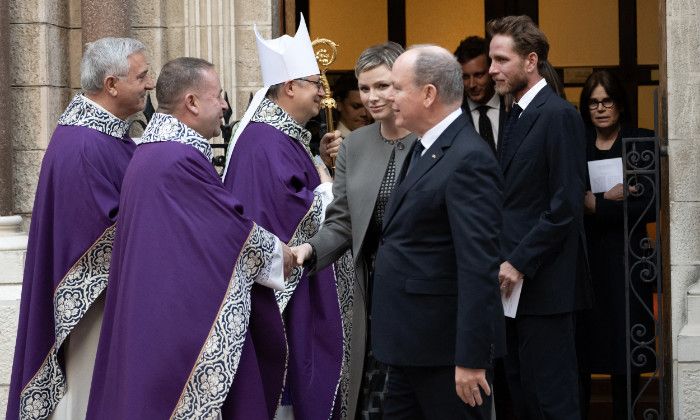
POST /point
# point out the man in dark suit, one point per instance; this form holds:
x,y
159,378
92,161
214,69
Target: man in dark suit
x,y
483,107
542,241
437,319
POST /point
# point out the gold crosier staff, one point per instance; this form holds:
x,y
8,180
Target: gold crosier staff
x,y
326,52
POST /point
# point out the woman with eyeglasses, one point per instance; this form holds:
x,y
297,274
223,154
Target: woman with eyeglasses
x,y
602,330
367,168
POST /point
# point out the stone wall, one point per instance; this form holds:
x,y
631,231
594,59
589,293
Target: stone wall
x,y
683,69
45,51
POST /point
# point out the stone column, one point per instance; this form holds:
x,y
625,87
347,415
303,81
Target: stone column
x,y
101,18
6,174
682,19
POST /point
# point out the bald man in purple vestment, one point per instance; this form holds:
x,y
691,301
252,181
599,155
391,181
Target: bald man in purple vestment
x,y
176,340
70,238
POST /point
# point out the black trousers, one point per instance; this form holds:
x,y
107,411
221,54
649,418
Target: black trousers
x,y
429,393
541,367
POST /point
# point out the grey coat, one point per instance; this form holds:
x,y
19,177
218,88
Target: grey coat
x,y
360,167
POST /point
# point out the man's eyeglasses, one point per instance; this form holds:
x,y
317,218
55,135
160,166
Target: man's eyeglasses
x,y
607,103
318,83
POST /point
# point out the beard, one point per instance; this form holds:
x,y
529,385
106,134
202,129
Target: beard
x,y
515,84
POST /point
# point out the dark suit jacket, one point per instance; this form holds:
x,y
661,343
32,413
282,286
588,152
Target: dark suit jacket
x,y
544,169
436,300
502,115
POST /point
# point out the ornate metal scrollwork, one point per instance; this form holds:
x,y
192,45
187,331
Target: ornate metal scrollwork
x,y
643,274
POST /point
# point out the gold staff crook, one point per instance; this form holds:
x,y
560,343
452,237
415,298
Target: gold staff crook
x,y
326,51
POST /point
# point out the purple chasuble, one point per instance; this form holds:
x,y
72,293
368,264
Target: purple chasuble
x,y
70,243
175,329
272,174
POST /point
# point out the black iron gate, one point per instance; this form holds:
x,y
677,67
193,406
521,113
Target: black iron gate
x,y
645,332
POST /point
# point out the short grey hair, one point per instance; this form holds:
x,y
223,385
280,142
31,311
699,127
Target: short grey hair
x,y
378,55
106,57
176,77
438,67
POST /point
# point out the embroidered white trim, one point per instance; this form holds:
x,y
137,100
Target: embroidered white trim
x,y
344,272
215,368
272,114
82,112
308,226
165,127
76,292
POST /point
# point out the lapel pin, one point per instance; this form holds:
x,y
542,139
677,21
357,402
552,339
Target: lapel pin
x,y
434,157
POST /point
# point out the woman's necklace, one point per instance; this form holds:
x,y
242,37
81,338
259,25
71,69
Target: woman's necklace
x,y
397,142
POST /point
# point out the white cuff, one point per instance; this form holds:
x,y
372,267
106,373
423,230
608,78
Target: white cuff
x,y
325,193
275,277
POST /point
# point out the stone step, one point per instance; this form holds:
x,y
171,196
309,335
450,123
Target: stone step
x,y
689,336
13,246
12,253
693,300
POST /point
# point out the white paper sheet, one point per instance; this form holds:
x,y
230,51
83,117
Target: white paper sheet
x,y
604,174
510,304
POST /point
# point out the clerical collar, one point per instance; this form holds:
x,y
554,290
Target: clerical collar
x,y
165,127
272,114
82,112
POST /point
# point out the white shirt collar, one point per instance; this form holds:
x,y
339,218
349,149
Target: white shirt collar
x,y
431,135
530,94
494,103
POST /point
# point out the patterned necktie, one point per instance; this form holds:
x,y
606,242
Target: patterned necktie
x,y
515,112
485,127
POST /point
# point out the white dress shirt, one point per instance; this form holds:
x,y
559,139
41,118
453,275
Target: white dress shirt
x,y
493,113
530,94
431,135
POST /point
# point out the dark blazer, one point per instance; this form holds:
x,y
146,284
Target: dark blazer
x,y
436,300
502,115
544,169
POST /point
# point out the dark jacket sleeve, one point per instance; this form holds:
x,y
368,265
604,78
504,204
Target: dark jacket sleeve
x,y
474,202
335,235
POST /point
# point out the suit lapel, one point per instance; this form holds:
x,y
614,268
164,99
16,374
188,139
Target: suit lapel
x,y
466,111
522,127
419,169
372,176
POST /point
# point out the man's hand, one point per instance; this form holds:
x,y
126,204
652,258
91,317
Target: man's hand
x,y
288,260
508,276
469,383
301,253
589,203
329,147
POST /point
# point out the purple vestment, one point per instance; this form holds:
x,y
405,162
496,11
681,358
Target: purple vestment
x,y
272,174
175,329
70,242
